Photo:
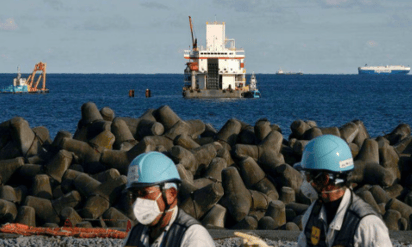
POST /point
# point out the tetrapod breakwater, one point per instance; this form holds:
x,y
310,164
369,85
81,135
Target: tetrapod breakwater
x,y
238,177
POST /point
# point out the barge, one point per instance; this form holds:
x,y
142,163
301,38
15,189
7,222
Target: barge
x,y
217,70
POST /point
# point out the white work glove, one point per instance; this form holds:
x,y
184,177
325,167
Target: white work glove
x,y
251,241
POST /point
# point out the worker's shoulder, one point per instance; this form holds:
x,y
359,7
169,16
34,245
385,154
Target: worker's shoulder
x,y
197,235
185,219
361,208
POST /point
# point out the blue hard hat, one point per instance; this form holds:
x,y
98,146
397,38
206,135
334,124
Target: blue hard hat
x,y
327,152
150,169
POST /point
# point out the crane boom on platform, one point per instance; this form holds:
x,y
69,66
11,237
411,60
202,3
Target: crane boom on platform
x,y
194,41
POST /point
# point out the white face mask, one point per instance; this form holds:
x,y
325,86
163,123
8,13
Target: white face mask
x,y
146,210
308,190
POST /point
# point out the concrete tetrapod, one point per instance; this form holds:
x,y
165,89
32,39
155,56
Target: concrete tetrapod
x,y
8,193
8,167
70,214
255,178
229,132
26,215
298,128
85,184
262,129
42,187
396,191
289,177
216,217
287,195
121,133
266,223
401,207
247,223
94,207
148,127
204,155
379,194
237,198
276,210
184,174
166,116
312,133
58,165
110,189
269,151
202,200
106,175
183,156
369,151
368,197
104,139
44,210
391,219
389,158
43,135
115,218
26,140
186,189
247,135
330,131
400,132
298,208
83,150
71,199
290,226
185,141
107,114
260,201
362,134
90,113
371,173
349,131
8,211
214,170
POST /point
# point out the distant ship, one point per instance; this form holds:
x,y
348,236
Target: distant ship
x,y
253,91
217,70
281,72
385,70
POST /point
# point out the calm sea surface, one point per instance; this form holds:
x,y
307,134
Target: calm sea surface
x,y
381,102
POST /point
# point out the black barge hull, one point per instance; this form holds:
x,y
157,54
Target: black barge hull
x,y
190,94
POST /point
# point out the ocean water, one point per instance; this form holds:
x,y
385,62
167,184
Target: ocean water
x,y
381,102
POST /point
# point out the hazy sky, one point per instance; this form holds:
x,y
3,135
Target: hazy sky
x,y
138,36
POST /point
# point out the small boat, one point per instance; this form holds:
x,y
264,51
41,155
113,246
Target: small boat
x,y
23,85
19,85
252,94
280,72
253,91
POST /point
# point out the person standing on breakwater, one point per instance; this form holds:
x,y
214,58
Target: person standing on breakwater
x,y
152,180
338,217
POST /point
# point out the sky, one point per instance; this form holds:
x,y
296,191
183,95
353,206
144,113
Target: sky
x,y
149,36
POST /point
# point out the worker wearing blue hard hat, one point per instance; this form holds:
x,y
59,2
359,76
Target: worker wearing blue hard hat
x,y
338,217
153,181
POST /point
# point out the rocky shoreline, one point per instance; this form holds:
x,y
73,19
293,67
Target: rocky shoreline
x,y
238,177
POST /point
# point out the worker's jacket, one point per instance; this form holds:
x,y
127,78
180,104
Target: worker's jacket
x,y
173,236
356,223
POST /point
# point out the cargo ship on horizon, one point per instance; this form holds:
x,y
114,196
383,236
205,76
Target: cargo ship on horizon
x,y
384,70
